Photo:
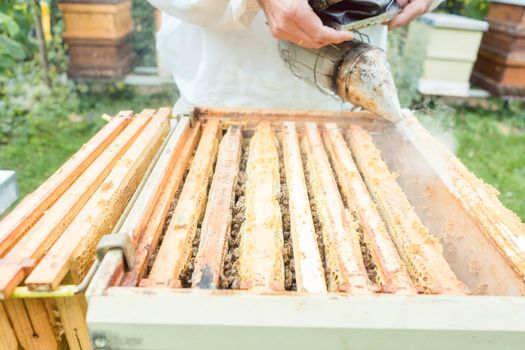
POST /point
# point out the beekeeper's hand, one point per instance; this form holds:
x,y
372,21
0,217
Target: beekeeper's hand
x,y
295,21
411,9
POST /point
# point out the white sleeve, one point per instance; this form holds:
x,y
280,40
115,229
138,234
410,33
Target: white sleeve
x,y
210,13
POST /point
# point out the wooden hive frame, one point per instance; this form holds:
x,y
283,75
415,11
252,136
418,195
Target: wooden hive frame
x,y
173,254
309,268
261,265
218,216
390,271
344,262
179,153
418,249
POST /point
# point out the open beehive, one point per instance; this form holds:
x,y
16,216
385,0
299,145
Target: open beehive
x,y
308,230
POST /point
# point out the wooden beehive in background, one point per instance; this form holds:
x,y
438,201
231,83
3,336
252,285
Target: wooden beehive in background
x,y
500,67
99,35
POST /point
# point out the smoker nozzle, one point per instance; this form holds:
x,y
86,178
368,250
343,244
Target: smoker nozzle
x,y
353,72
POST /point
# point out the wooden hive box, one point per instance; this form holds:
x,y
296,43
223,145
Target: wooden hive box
x,y
99,53
501,73
500,66
93,20
504,40
101,59
507,12
99,35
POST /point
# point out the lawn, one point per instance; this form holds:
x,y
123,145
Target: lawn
x,y
34,160
490,143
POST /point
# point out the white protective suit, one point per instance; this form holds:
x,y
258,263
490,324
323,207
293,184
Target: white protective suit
x,y
221,53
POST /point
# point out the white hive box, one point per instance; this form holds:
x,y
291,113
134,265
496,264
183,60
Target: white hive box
x,y
452,44
152,316
8,189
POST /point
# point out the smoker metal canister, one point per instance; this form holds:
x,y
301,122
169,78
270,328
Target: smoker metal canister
x,y
353,72
320,67
364,78
316,66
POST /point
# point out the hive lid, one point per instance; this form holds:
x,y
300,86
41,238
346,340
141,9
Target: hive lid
x,y
510,2
444,20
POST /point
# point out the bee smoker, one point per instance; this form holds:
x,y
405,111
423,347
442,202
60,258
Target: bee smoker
x,y
354,71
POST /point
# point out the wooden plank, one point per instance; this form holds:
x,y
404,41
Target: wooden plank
x,y
175,250
16,265
148,238
500,225
309,271
144,201
31,323
18,222
72,312
261,265
218,216
344,262
250,118
162,171
271,115
75,247
391,273
8,339
421,252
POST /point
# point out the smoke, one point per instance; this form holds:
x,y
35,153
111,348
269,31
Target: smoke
x,y
439,120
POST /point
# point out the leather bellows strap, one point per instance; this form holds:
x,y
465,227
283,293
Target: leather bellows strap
x,y
335,13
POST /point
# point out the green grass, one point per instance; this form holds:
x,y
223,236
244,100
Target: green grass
x,y
34,159
492,145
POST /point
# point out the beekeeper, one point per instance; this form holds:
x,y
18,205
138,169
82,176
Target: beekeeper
x,y
224,53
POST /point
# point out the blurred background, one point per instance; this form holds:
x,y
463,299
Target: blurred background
x,y
58,78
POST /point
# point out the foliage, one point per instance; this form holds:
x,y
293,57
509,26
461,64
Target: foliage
x,y
144,36
15,25
56,50
469,8
29,107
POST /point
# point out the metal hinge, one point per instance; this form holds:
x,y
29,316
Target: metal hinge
x,y
120,241
190,115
